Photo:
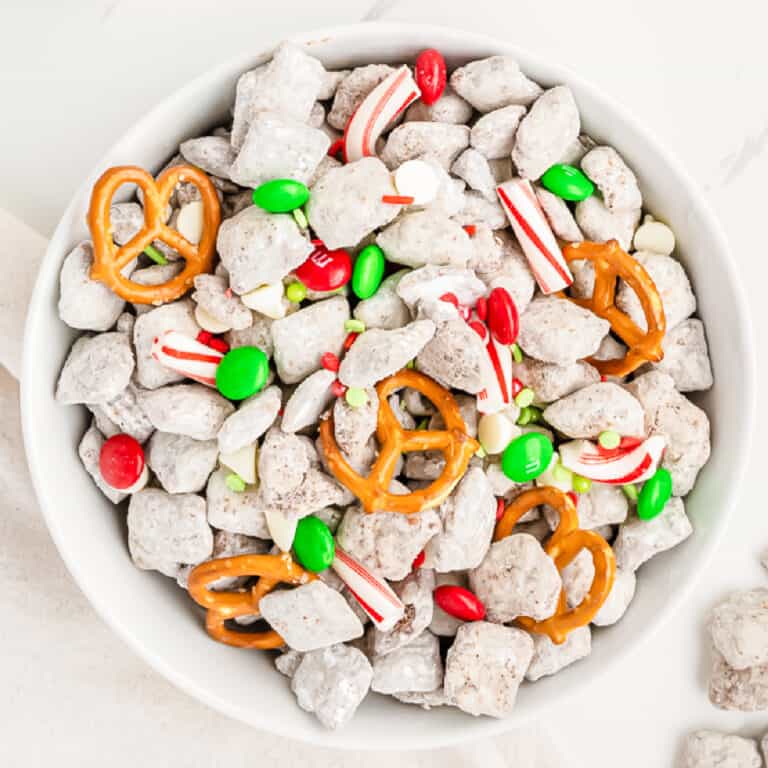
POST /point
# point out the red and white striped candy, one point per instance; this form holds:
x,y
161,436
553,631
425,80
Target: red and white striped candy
x,y
373,593
496,395
632,462
387,100
532,230
187,356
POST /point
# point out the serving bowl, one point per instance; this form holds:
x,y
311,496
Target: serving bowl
x,y
151,613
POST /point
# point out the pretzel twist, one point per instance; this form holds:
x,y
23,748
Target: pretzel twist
x,y
610,262
563,546
109,260
222,606
454,442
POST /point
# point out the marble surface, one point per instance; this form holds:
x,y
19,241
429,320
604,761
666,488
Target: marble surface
x,y
73,692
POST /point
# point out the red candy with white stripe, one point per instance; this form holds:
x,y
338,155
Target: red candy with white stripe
x,y
634,461
532,230
187,356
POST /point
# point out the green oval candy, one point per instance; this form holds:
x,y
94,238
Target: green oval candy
x,y
368,272
526,457
567,182
656,492
242,372
313,544
280,195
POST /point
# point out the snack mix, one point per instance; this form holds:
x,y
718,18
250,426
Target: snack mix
x,y
392,370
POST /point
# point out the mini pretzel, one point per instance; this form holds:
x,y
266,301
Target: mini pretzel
x,y
564,544
109,260
222,606
453,441
610,262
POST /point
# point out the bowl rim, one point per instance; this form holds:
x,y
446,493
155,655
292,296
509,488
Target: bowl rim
x,y
380,30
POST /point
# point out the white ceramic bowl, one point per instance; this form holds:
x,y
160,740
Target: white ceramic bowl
x,y
153,615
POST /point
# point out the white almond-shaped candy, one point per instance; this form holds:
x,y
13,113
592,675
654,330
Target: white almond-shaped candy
x,y
267,299
495,432
208,322
282,529
189,222
242,461
308,401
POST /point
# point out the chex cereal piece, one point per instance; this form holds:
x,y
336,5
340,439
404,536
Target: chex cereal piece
x,y
549,659
449,108
711,749
618,600
377,354
258,247
597,408
639,540
473,167
485,666
386,542
467,518
550,381
415,591
686,358
250,421
601,505
212,295
97,369
424,699
233,511
288,662
739,628
493,83
181,464
353,427
214,154
125,414
126,219
385,309
332,682
455,357
89,451
84,303
478,209
167,530
613,177
441,142
186,409
308,401
301,339
257,335
427,285
559,216
601,225
416,666
743,690
352,90
517,578
310,616
443,624
493,135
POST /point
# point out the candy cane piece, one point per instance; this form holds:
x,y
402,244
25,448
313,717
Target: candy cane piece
x,y
620,466
187,356
496,395
532,230
373,593
387,100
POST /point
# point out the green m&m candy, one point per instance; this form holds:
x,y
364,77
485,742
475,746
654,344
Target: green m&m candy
x,y
368,272
655,494
567,182
526,457
242,372
280,195
313,544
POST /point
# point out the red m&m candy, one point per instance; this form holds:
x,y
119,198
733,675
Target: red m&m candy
x,y
430,75
325,270
459,602
121,461
503,319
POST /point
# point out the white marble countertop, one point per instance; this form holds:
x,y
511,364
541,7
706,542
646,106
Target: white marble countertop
x,y
73,693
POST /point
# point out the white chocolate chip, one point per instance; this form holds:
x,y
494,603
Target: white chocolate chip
x,y
208,322
496,432
267,299
242,461
417,179
189,222
655,237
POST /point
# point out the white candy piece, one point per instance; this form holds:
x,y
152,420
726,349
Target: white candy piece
x,y
189,222
534,234
208,322
655,237
495,432
374,594
282,529
187,356
242,461
631,465
387,100
417,179
267,299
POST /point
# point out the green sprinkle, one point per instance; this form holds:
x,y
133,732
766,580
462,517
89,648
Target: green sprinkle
x,y
524,397
630,491
300,217
480,453
296,292
609,439
356,397
525,417
155,255
354,326
561,474
423,424
517,353
581,484
410,364
235,483
536,413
